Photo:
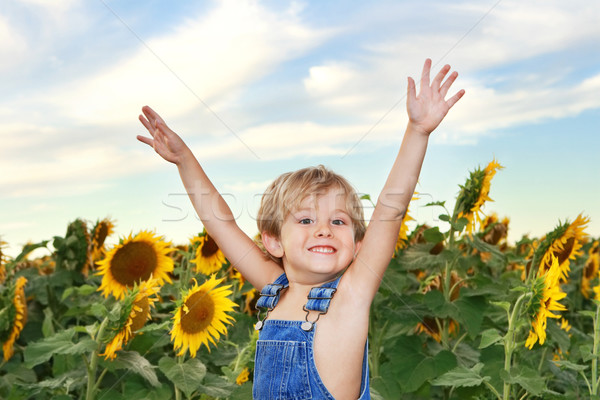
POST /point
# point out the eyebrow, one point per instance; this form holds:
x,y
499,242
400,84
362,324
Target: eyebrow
x,y
308,209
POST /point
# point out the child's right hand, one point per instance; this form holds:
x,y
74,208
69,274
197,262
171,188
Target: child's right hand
x,y
164,141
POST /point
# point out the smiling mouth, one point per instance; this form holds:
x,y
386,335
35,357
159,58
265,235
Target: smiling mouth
x,y
322,249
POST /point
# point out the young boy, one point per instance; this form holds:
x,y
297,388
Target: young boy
x,y
312,227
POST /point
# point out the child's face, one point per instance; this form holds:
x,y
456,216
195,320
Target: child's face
x,y
317,239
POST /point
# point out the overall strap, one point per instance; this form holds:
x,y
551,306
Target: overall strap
x,y
319,299
269,297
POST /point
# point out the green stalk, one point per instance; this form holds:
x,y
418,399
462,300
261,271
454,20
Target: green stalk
x,y
177,391
92,367
447,279
531,274
493,389
509,342
595,352
376,346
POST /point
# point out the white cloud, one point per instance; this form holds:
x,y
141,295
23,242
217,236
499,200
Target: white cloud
x,y
218,55
12,45
47,140
365,88
208,57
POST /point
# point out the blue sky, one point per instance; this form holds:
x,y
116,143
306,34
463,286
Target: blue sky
x,y
258,88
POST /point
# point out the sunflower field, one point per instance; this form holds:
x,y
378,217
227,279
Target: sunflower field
x,y
460,314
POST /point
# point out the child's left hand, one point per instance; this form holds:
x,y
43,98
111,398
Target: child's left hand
x,y
428,109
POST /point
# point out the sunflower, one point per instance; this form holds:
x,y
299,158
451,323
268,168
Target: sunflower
x,y
495,231
565,325
2,262
15,313
250,299
201,316
242,377
546,297
402,240
100,232
135,260
135,312
475,193
564,243
209,258
590,271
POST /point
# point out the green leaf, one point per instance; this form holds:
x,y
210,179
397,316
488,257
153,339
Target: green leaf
x,y
586,352
489,337
558,336
47,325
436,203
433,235
426,368
470,313
569,365
133,361
243,392
418,257
41,351
216,386
186,376
586,313
155,327
461,376
434,300
526,377
98,310
444,217
502,304
83,290
410,367
460,224
482,246
28,248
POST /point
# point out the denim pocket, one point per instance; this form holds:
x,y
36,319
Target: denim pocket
x,y
281,371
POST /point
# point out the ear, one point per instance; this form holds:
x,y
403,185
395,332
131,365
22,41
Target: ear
x,y
272,245
357,248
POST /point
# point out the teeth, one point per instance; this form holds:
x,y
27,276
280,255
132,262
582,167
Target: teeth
x,y
322,250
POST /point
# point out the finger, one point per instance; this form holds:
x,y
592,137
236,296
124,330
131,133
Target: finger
x,y
437,81
425,73
146,124
446,86
151,115
452,100
145,140
411,91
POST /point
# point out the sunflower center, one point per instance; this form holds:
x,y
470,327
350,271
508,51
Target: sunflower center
x,y
140,318
201,312
101,234
134,262
567,250
209,248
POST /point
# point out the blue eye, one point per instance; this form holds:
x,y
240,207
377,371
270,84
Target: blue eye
x,y
305,221
338,222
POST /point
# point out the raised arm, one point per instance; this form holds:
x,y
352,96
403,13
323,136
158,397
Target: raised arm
x,y
215,214
425,111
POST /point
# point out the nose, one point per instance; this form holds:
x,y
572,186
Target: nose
x,y
323,231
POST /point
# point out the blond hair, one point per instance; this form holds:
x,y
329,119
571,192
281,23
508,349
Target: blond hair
x,y
286,193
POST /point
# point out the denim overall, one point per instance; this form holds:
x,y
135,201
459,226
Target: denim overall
x,y
284,365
